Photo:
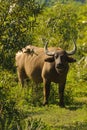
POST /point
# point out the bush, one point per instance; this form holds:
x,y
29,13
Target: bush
x,y
35,124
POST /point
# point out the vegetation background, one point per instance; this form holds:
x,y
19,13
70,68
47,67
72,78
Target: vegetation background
x,y
24,22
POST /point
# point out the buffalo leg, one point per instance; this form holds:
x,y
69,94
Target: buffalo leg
x,y
61,94
21,76
21,80
46,92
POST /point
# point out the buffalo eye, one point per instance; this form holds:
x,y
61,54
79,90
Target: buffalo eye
x,y
64,58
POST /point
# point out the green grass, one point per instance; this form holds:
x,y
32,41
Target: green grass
x,y
23,109
72,117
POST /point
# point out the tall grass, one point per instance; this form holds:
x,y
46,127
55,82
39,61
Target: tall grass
x,y
17,104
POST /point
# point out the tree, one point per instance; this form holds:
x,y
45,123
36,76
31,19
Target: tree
x,y
18,19
59,25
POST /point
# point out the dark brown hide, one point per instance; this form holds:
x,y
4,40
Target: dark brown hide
x,y
42,68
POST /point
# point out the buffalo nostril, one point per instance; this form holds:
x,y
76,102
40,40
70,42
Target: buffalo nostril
x,y
59,65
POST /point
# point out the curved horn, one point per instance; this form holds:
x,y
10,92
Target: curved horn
x,y
74,49
46,50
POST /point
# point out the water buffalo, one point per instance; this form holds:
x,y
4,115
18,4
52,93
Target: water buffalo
x,y
45,65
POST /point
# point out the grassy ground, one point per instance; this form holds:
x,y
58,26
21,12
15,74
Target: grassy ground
x,y
19,100
72,117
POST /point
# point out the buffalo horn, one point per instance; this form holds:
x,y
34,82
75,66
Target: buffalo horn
x,y
49,53
74,49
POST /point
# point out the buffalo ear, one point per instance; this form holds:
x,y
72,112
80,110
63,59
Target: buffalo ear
x,y
49,59
71,60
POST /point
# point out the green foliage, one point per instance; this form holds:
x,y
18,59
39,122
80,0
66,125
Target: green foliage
x,y
9,115
35,124
16,27
15,102
51,2
63,22
24,23
58,25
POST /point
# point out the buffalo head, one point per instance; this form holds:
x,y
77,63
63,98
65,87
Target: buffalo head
x,y
60,57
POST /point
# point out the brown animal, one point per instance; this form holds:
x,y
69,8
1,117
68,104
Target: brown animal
x,y
45,65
